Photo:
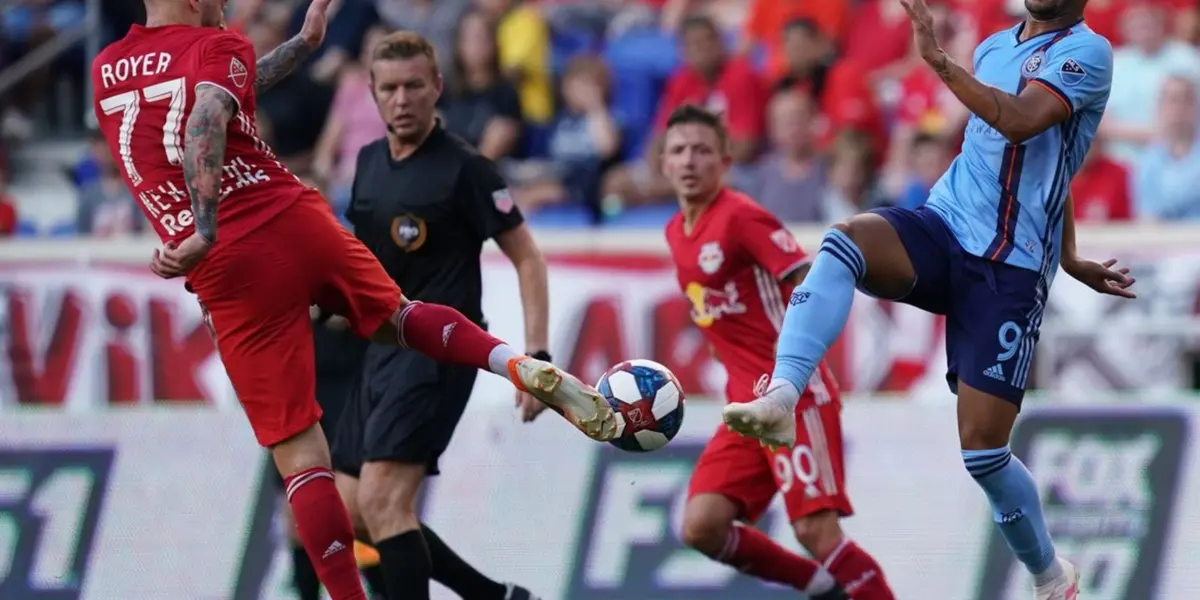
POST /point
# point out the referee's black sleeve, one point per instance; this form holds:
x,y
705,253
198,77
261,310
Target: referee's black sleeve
x,y
488,203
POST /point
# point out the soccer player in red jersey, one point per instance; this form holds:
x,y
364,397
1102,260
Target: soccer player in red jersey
x,y
175,100
736,263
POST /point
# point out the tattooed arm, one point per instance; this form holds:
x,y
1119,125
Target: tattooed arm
x,y
204,154
280,62
1017,117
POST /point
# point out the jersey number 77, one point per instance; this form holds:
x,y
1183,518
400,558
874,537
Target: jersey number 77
x,y
129,104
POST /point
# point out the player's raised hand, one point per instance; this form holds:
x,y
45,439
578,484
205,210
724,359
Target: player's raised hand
x,y
529,407
315,22
924,35
1101,277
179,260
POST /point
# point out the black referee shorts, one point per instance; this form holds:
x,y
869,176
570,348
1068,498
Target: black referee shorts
x,y
404,410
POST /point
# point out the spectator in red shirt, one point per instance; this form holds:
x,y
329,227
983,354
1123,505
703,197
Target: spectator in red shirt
x,y
709,77
879,36
840,85
8,217
1100,190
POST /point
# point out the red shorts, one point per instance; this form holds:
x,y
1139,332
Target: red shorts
x,y
256,295
810,475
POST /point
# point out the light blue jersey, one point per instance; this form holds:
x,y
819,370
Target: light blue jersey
x,y
1005,202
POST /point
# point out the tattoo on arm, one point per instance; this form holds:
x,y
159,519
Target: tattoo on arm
x,y
279,63
204,155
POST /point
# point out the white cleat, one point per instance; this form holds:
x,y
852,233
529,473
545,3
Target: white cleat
x,y
576,401
1063,588
766,419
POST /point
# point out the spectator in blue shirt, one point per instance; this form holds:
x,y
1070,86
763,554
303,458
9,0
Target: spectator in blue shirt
x,y
931,157
1167,175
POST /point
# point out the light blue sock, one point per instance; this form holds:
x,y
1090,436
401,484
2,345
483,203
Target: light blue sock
x,y
818,309
1016,508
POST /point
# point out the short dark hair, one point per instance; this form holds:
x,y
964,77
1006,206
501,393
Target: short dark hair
x,y
802,25
690,114
403,45
691,22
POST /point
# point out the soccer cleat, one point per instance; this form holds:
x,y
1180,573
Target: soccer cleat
x,y
366,556
513,591
836,593
1063,588
576,401
766,419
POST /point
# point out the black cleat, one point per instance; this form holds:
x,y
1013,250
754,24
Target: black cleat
x,y
516,592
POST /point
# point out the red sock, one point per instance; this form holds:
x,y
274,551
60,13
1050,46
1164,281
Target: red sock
x,y
445,335
751,551
858,572
325,530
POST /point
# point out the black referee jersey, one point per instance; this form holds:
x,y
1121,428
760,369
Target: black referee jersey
x,y
427,216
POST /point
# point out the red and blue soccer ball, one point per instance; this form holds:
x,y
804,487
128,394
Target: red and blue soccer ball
x,y
649,400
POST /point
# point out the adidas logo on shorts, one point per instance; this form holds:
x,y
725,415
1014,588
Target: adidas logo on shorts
x,y
995,372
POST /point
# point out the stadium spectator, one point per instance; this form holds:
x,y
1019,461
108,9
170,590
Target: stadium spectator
x,y
840,85
931,156
584,141
982,18
435,20
1104,16
8,216
352,122
879,36
708,77
1139,70
289,108
726,85
478,103
523,39
88,168
728,15
925,105
769,18
1167,176
852,178
790,180
349,21
1100,189
105,208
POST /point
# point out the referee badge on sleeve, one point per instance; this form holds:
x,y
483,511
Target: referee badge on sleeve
x,y
502,198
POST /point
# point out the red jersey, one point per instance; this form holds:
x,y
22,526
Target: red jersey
x,y
144,90
732,266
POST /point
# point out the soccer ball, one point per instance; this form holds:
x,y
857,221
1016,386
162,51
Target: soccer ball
x,y
649,400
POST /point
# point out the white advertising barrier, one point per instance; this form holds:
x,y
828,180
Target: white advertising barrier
x,y
84,324
169,504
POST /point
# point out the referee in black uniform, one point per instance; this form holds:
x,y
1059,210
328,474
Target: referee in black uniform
x,y
424,202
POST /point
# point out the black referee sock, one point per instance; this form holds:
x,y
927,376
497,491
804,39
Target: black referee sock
x,y
376,584
304,576
450,570
406,566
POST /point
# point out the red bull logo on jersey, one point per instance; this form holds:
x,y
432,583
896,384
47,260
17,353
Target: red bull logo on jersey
x,y
708,304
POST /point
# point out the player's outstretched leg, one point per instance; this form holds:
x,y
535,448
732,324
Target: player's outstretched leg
x,y
985,422
710,526
865,250
445,335
853,567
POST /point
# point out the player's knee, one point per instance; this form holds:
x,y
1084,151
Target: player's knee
x,y
704,532
819,533
388,488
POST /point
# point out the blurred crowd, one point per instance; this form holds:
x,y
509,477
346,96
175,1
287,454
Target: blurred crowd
x,y
829,109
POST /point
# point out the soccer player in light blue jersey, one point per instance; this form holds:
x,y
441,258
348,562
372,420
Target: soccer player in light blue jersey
x,y
983,252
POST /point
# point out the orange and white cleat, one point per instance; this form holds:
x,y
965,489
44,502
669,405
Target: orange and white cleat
x,y
576,401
